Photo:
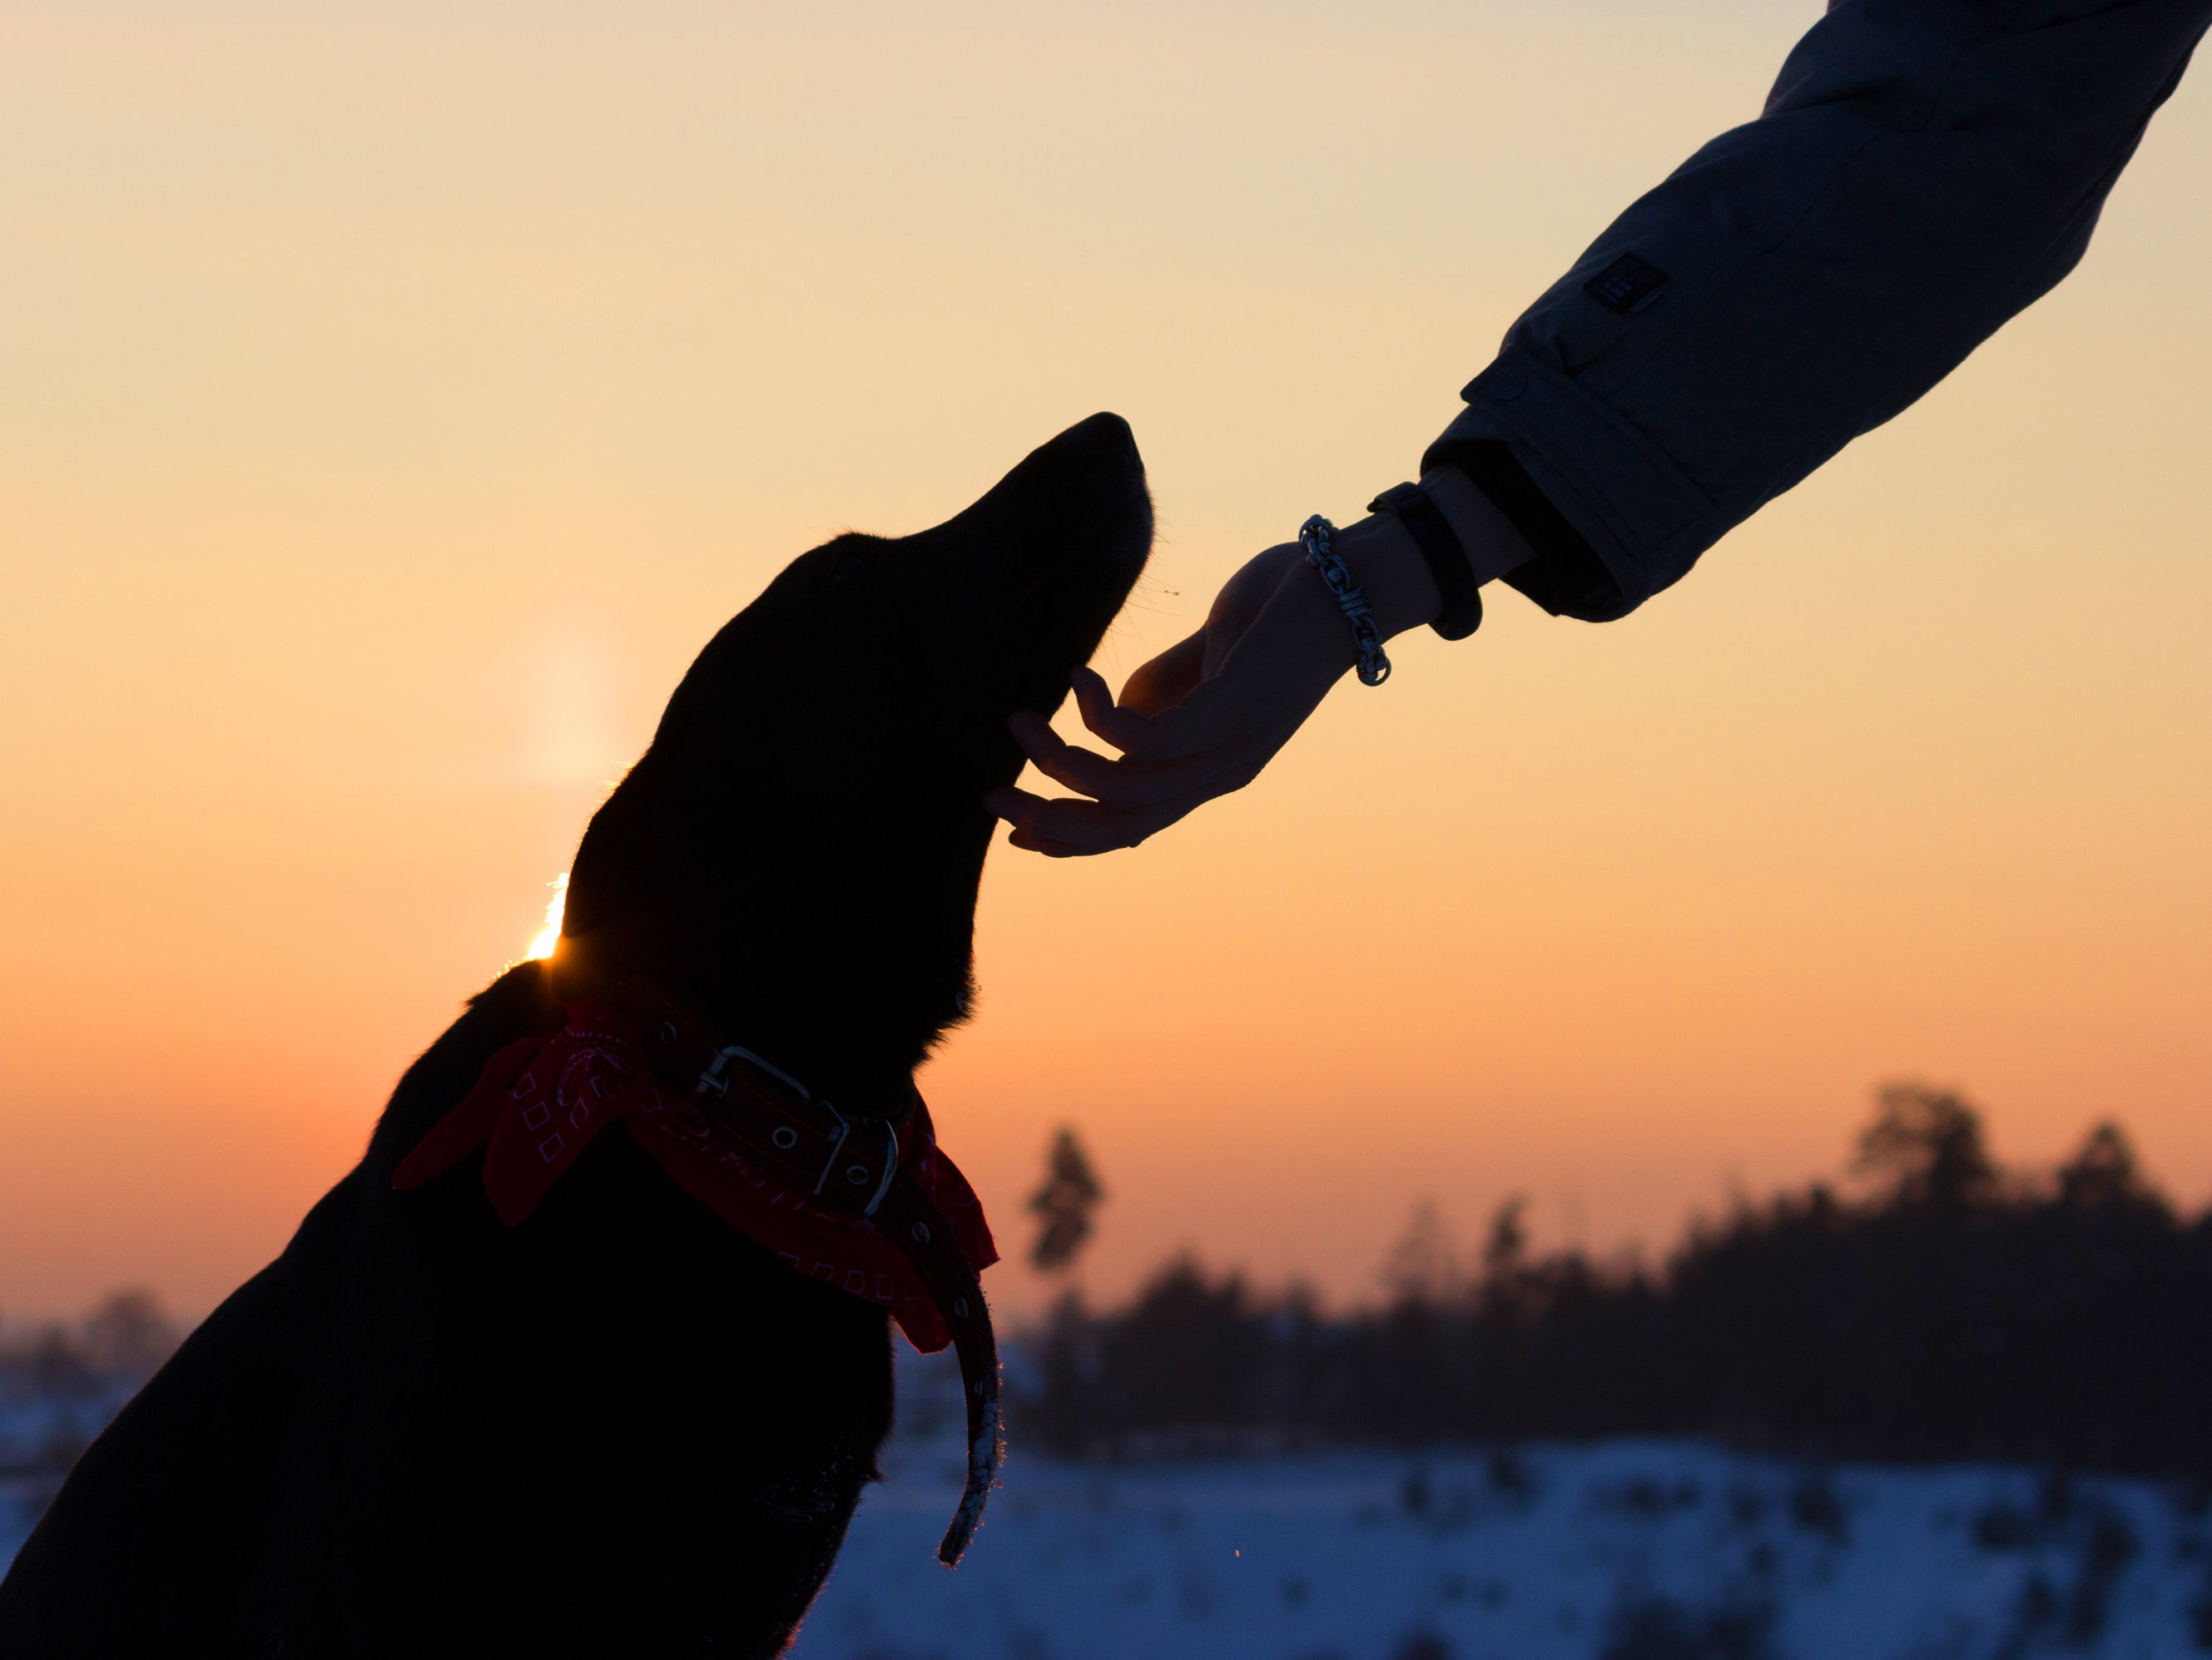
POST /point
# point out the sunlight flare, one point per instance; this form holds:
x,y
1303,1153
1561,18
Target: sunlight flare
x,y
550,935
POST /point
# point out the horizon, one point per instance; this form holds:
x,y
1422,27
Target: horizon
x,y
1426,1225
397,402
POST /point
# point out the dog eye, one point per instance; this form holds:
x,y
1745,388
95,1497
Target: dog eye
x,y
848,567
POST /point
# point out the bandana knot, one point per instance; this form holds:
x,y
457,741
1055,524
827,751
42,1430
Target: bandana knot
x,y
539,1103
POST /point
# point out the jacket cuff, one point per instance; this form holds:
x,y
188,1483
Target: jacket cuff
x,y
1596,499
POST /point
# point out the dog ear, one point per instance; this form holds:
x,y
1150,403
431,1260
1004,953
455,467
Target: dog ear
x,y
849,567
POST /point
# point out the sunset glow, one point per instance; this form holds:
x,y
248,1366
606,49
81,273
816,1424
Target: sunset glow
x,y
397,399
550,935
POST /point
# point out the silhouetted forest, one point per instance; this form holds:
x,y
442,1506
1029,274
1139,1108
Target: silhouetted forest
x,y
1944,1309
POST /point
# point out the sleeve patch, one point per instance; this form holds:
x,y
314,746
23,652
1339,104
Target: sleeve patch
x,y
1628,285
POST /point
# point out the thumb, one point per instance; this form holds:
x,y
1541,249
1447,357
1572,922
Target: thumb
x,y
1168,678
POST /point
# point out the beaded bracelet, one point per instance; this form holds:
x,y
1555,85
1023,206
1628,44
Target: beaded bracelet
x,y
1316,536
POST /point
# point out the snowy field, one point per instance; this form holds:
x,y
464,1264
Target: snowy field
x,y
40,1432
1622,1551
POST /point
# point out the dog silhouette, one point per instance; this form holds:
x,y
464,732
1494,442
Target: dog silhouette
x,y
620,1426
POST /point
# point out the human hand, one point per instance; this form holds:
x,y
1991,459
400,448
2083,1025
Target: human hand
x,y
1207,714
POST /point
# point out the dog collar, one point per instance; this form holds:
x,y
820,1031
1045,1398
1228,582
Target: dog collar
x,y
865,1202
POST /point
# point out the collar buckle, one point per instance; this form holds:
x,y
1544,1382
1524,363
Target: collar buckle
x,y
716,1078
715,1081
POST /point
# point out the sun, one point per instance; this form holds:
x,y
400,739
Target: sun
x,y
550,935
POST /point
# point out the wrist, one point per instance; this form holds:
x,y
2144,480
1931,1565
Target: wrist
x,y
1492,543
1386,562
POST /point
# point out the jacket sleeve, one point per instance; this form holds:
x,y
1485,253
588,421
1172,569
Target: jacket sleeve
x,y
1923,170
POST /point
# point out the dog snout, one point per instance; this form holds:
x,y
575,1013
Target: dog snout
x,y
1104,436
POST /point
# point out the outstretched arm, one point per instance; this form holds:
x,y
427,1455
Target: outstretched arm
x,y
1923,171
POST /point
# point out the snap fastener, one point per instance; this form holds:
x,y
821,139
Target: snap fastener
x,y
857,1175
960,1307
785,1136
921,1233
1506,382
668,1031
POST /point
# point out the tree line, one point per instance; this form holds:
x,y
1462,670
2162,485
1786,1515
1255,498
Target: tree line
x,y
1944,1310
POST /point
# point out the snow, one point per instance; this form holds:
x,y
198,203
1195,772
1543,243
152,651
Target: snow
x,y
42,1432
1624,1550
1574,1552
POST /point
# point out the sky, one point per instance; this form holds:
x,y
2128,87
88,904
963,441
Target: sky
x,y
393,398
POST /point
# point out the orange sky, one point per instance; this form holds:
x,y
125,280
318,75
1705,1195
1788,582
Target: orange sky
x,y
391,405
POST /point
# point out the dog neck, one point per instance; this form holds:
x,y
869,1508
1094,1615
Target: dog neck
x,y
834,1043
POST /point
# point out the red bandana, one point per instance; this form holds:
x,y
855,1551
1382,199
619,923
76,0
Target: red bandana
x,y
540,1102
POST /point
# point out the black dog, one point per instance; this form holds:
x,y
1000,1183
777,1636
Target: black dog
x,y
620,1427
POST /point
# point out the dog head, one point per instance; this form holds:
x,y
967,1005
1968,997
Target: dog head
x,y
797,855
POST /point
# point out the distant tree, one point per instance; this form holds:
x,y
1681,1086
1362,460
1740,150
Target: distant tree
x,y
2104,1175
1422,1266
1065,1204
1953,1312
1508,1285
1181,1368
1927,1147
128,1335
1506,1248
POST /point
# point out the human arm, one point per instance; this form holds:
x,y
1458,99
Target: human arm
x,y
1923,171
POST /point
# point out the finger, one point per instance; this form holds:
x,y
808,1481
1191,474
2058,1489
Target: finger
x,y
1024,813
1168,678
1051,754
1034,732
1128,782
1132,783
1029,843
1043,824
1010,804
1207,720
1067,829
1125,729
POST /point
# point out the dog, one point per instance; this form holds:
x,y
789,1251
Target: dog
x,y
620,1425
